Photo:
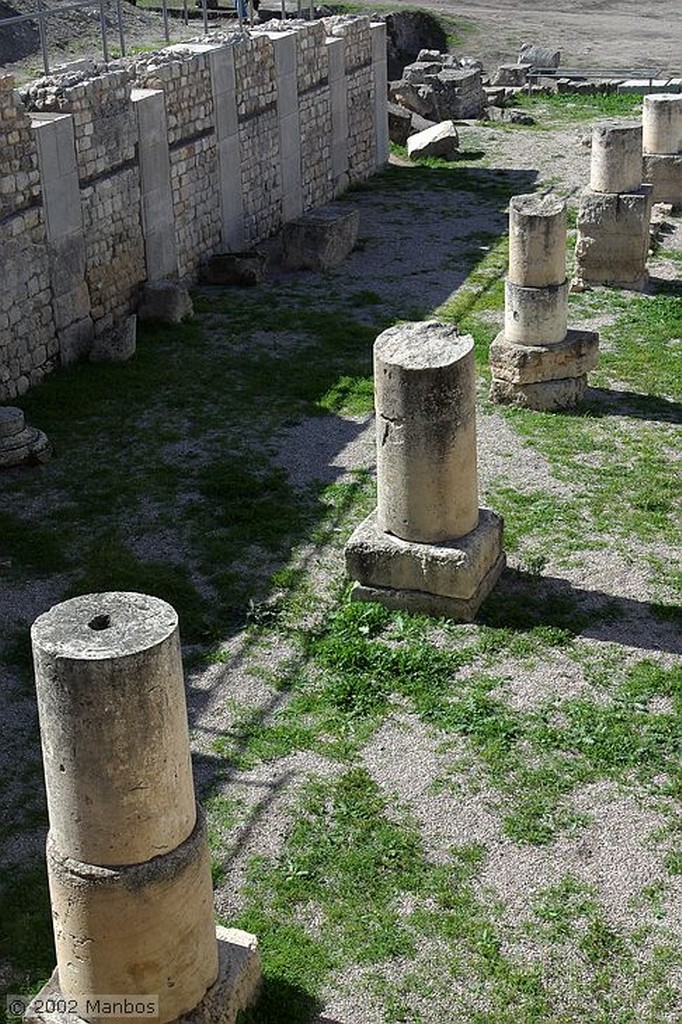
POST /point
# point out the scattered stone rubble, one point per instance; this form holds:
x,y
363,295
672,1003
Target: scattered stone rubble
x,y
440,87
614,212
127,852
427,547
535,361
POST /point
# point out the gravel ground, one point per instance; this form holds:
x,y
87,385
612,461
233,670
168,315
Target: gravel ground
x,y
410,257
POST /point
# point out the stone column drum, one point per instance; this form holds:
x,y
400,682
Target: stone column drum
x,y
127,854
662,145
427,547
614,213
536,361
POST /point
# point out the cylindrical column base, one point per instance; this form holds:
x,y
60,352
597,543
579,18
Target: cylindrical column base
x,y
537,240
662,124
616,164
535,316
426,432
144,929
113,722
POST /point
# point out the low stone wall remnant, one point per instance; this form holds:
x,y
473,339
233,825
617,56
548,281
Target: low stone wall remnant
x,y
112,176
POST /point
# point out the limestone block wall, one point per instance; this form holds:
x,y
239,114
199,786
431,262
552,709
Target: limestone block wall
x,y
355,32
105,140
28,344
315,113
184,77
111,175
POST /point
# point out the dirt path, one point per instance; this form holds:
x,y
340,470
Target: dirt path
x,y
589,33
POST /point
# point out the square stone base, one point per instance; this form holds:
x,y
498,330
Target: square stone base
x,y
575,356
663,172
613,238
236,987
321,238
546,396
451,579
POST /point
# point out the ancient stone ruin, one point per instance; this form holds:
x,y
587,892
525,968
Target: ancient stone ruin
x,y
20,444
127,855
536,362
440,87
614,213
114,176
662,146
427,547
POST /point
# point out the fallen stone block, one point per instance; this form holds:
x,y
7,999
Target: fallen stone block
x,y
240,268
399,124
321,238
116,345
539,56
167,301
440,141
510,74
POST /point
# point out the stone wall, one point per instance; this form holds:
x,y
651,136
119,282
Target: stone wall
x,y
139,170
28,345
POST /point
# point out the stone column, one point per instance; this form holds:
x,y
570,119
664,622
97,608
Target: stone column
x,y
284,44
536,362
338,92
54,135
158,221
662,144
614,213
127,855
380,73
427,547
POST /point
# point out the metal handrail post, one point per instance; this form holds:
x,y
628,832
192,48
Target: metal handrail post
x,y
43,40
204,10
103,27
121,33
166,30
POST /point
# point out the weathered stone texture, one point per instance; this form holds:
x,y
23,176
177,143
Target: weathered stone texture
x,y
19,176
360,85
114,248
103,117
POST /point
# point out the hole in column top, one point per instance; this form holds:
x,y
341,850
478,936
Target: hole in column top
x,y
100,622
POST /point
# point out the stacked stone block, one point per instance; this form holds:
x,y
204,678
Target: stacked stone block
x,y
315,112
28,343
614,213
359,76
127,853
427,547
184,77
536,362
105,137
662,147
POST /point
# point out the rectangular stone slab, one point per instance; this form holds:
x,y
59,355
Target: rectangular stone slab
x,y
418,602
575,356
452,569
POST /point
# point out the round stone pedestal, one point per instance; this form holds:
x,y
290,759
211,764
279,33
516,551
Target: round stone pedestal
x,y
19,444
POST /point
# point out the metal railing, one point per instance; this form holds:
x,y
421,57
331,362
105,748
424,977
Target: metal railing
x,y
244,10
